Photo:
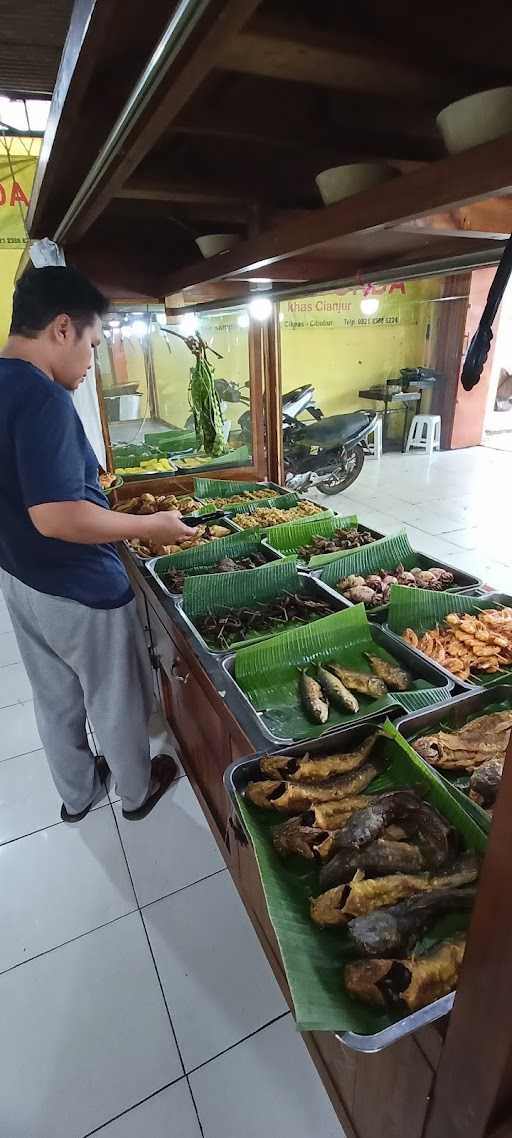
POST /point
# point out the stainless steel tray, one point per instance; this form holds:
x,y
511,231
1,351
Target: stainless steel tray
x,y
395,646
236,778
152,567
466,583
305,564
456,710
486,600
312,587
145,560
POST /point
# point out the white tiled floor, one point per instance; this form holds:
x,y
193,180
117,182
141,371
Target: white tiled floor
x,y
454,506
135,997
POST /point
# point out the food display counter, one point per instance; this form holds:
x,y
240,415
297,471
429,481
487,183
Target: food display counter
x,y
213,726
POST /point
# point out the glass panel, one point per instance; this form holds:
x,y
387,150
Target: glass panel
x,y
145,374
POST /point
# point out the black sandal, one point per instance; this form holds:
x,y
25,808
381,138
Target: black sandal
x,y
165,768
103,771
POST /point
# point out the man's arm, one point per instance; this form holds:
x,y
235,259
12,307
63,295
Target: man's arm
x,y
87,524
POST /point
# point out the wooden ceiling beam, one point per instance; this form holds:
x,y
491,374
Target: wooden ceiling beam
x,y
303,53
184,192
193,61
485,171
491,219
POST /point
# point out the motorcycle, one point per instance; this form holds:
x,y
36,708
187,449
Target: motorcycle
x,y
327,453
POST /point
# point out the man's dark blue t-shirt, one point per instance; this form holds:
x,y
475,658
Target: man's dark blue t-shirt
x,y
45,457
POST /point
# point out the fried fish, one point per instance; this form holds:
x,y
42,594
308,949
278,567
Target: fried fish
x,y
407,984
434,836
316,769
359,681
295,837
336,692
361,895
295,798
395,677
377,860
314,703
394,931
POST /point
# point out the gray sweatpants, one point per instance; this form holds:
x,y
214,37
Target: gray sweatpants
x,y
86,661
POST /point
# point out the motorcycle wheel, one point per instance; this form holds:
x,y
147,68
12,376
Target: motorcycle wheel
x,y
334,484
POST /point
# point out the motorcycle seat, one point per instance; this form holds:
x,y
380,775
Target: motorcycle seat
x,y
337,430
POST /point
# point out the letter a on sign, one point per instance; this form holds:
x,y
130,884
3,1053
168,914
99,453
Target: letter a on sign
x,y
17,195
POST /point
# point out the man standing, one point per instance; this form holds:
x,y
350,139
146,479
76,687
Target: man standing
x,y
67,591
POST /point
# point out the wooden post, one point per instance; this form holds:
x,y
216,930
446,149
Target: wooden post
x,y
473,1088
103,416
273,401
256,388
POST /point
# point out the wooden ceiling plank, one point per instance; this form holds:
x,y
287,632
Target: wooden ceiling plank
x,y
183,191
301,52
485,171
75,68
491,219
183,79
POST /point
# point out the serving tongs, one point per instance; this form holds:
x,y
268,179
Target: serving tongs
x,y
206,519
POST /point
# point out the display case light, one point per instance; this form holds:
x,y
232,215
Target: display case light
x,y
189,323
370,305
261,308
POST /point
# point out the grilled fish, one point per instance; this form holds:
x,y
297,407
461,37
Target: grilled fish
x,y
394,931
294,837
361,896
315,705
395,677
377,860
336,692
314,769
368,824
294,798
434,836
359,681
410,984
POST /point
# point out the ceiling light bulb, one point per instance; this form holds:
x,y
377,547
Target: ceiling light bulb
x,y
370,305
261,308
243,320
189,323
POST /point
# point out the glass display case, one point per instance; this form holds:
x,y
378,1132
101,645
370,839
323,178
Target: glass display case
x,y
145,366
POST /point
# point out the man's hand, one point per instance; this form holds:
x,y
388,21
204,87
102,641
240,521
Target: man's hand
x,y
167,528
88,524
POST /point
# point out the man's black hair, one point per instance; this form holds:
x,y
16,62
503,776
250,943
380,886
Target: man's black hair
x,y
42,294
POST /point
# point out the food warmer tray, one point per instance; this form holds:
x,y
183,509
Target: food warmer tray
x,y
466,584
490,600
236,778
401,652
222,520
313,588
152,566
457,710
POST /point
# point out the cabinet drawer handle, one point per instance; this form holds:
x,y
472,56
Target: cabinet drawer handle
x,y
175,673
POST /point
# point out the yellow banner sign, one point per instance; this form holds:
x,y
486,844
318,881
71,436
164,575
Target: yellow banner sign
x,y
16,177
